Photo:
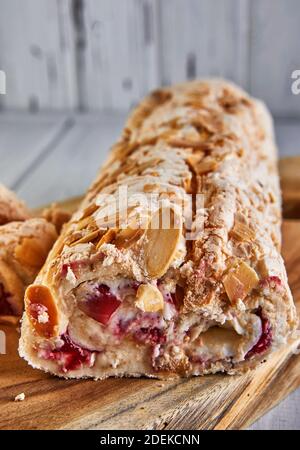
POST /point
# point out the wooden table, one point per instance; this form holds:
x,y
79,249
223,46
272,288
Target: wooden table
x,y
54,156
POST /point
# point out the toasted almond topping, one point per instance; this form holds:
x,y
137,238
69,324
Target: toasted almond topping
x,y
242,232
90,237
185,143
234,288
149,298
195,158
138,170
87,222
89,210
263,267
41,310
161,242
247,276
187,184
72,238
151,187
107,238
114,220
240,281
128,237
206,166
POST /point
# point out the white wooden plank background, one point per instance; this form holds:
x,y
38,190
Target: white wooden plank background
x,y
121,52
37,45
275,53
23,144
199,38
69,167
106,54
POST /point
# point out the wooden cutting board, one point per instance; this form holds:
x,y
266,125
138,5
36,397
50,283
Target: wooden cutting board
x,y
211,402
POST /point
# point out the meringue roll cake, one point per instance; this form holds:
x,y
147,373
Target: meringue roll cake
x,y
125,292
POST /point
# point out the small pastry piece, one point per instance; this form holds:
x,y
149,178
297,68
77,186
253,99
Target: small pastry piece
x,y
135,295
11,208
57,216
24,247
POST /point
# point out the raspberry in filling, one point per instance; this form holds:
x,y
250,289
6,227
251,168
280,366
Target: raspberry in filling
x,y
265,339
150,336
100,304
5,307
70,356
272,282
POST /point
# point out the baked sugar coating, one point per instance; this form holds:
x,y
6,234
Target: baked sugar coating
x,y
116,299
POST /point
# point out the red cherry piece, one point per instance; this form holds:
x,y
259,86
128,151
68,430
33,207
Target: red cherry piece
x,y
100,305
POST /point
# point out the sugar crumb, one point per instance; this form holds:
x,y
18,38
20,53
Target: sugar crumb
x,y
20,397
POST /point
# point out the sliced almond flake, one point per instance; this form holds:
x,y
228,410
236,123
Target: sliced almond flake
x,y
151,187
107,238
206,166
58,248
146,165
240,281
247,276
187,184
149,298
114,220
39,299
87,222
90,237
242,232
89,211
128,237
71,238
161,243
195,159
185,143
234,288
154,174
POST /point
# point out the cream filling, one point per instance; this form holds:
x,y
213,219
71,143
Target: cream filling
x,y
201,339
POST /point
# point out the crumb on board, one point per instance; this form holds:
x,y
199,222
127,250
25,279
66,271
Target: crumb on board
x,y
20,397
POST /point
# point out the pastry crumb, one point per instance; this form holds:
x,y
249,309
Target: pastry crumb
x,y
20,397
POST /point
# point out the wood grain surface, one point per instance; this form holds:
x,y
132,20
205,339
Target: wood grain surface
x,y
211,402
